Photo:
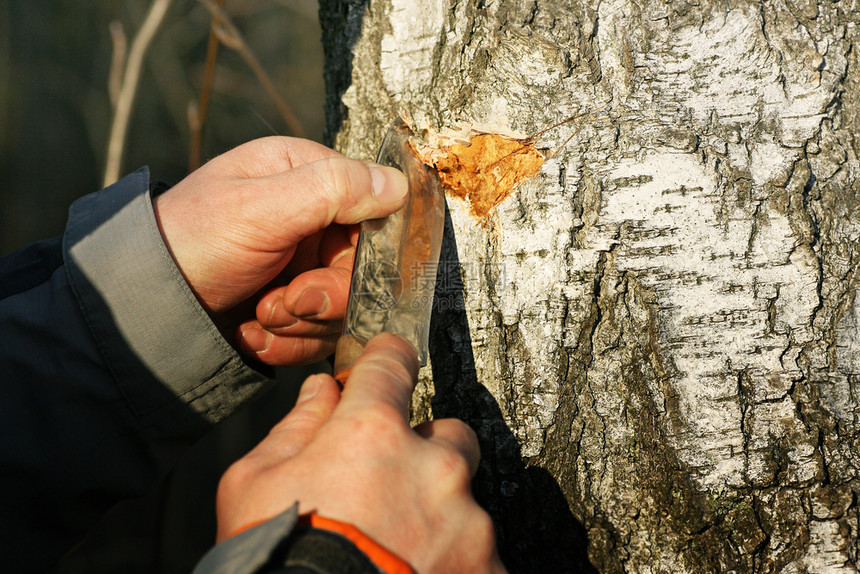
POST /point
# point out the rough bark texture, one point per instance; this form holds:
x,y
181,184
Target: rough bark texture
x,y
657,338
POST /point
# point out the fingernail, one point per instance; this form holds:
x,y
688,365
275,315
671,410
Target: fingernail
x,y
310,389
389,184
311,302
255,340
280,318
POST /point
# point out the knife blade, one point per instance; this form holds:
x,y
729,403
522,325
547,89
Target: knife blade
x,y
396,258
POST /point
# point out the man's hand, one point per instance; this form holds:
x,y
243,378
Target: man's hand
x,y
267,221
353,458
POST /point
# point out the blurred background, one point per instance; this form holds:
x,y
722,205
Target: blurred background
x,y
55,117
55,108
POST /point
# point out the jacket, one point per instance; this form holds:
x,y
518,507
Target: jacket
x,y
109,369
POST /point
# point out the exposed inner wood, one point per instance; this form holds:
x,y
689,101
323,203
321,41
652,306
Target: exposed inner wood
x,y
487,170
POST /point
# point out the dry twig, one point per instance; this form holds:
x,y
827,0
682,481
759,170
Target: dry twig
x,y
125,98
119,42
197,111
232,38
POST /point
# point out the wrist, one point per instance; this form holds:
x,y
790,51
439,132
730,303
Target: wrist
x,y
331,546
386,560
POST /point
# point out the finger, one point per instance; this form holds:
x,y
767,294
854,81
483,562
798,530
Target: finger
x,y
354,232
294,295
308,328
318,295
331,247
337,247
317,400
454,433
497,567
326,191
384,374
323,249
256,344
282,350
270,155
307,256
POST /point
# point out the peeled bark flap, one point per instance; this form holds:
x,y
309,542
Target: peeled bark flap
x,y
487,171
657,337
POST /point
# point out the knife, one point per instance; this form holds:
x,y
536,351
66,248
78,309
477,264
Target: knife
x,y
394,271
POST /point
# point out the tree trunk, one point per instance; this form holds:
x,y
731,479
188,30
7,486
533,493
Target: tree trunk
x,y
656,338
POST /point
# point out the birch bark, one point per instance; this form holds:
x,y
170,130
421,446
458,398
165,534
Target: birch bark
x,y
657,338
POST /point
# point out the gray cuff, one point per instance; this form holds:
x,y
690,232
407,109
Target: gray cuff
x,y
250,550
159,343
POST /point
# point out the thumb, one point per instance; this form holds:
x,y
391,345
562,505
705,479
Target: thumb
x,y
335,190
317,400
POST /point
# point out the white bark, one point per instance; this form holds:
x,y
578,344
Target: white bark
x,y
666,317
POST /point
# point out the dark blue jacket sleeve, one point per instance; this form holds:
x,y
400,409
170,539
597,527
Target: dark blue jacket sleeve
x,y
109,368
